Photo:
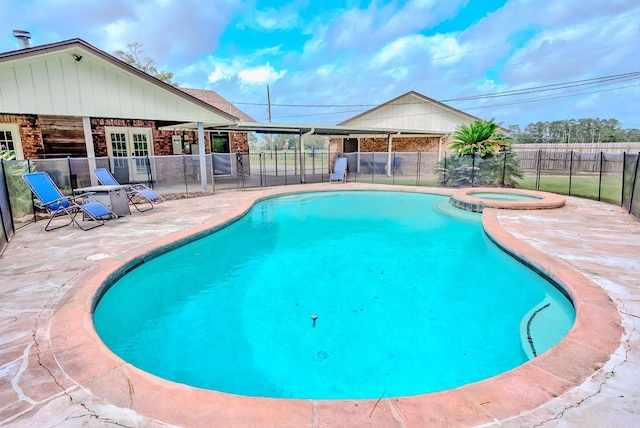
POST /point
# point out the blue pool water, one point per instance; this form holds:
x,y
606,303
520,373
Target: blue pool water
x,y
495,196
408,299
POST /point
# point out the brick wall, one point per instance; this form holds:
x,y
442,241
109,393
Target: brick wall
x,y
400,144
238,141
30,135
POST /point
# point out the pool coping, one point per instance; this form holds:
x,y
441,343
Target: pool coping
x,y
85,360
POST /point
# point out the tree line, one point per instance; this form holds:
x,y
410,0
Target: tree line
x,y
574,131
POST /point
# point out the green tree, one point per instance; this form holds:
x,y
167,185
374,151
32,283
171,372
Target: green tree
x,y
133,56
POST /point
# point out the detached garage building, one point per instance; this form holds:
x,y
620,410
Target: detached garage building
x,y
410,111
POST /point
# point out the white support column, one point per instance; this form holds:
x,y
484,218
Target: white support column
x,y
203,156
91,151
303,179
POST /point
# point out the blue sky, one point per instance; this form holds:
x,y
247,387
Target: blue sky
x,y
327,61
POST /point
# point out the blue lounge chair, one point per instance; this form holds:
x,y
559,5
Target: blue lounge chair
x,y
57,204
135,192
339,170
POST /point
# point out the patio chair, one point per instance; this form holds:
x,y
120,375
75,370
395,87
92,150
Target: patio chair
x,y
135,192
339,170
57,204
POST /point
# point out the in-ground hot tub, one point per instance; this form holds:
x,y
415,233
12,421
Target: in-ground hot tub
x,y
476,199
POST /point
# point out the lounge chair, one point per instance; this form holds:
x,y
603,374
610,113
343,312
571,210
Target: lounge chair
x,y
135,192
339,170
57,204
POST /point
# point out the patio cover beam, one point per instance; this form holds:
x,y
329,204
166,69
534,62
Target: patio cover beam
x,y
285,128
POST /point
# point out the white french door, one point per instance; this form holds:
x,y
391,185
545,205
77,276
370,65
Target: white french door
x,y
129,148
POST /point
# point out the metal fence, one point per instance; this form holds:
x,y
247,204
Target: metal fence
x,y
631,184
613,178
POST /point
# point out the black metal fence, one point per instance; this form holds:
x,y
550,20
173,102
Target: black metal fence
x,y
631,184
613,178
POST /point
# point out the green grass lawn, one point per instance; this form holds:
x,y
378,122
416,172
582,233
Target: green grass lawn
x,y
585,187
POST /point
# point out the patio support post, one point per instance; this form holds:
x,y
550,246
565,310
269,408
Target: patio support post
x,y
203,156
302,159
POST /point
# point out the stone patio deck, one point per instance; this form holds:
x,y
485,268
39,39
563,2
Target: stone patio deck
x,y
55,372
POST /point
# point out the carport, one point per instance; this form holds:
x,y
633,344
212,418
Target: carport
x,y
302,130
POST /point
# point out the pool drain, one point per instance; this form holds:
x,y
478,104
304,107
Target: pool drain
x,y
322,355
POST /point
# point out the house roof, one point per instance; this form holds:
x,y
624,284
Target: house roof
x,y
214,99
419,99
180,104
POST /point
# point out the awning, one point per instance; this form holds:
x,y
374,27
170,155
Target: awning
x,y
287,128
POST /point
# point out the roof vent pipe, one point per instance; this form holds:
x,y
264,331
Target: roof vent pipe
x,y
23,38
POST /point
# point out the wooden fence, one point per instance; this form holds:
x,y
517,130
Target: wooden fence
x,y
577,158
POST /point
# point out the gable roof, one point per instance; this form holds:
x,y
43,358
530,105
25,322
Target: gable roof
x,y
214,99
413,110
74,78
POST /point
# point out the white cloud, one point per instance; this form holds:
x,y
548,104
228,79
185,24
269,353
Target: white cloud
x,y
443,49
260,75
221,72
272,19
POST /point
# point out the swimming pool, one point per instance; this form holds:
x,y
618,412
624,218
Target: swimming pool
x,y
378,329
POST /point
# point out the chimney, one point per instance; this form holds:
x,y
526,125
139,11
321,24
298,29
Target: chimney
x,y
23,38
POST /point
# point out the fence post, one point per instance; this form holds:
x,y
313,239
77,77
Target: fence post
x,y
418,167
261,171
393,169
538,167
624,171
504,167
285,167
473,167
444,173
276,165
184,174
633,185
149,172
213,173
70,173
7,233
600,177
570,169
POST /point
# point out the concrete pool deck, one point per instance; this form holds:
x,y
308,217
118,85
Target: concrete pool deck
x,y
54,370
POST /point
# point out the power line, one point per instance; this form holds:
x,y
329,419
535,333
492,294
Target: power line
x,y
543,88
524,101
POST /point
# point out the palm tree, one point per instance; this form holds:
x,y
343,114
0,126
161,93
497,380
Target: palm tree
x,y
480,137
476,161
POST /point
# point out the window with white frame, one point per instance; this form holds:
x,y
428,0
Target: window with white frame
x,y
10,139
